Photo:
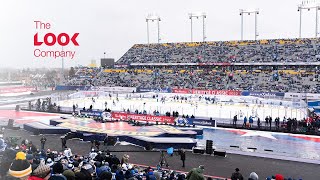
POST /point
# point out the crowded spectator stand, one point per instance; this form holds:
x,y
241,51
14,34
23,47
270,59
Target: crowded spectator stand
x,y
39,164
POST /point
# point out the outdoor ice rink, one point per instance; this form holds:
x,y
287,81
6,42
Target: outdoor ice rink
x,y
224,107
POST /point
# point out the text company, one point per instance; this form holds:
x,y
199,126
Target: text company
x,y
50,39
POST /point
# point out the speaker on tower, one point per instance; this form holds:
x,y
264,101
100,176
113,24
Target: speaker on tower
x,y
209,144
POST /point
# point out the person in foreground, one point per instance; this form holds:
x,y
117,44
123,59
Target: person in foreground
x,y
196,173
236,175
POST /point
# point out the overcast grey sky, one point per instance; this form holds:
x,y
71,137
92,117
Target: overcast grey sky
x,y
113,26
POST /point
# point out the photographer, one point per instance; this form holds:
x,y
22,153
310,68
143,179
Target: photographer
x,y
182,154
97,144
63,142
43,141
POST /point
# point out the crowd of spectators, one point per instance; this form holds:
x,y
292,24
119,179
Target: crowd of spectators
x,y
29,163
41,81
43,105
278,50
275,78
83,76
266,79
26,162
310,125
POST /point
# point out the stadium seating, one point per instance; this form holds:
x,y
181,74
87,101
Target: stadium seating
x,y
221,78
262,51
282,65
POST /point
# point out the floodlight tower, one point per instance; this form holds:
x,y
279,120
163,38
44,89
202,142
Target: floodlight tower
x,y
255,12
198,15
153,18
308,5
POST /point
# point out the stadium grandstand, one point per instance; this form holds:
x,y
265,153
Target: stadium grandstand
x,y
260,52
282,65
171,110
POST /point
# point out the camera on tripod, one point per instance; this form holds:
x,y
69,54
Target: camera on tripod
x,y
163,160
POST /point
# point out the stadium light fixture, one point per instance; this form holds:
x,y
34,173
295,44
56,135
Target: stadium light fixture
x,y
309,5
198,15
250,11
153,18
